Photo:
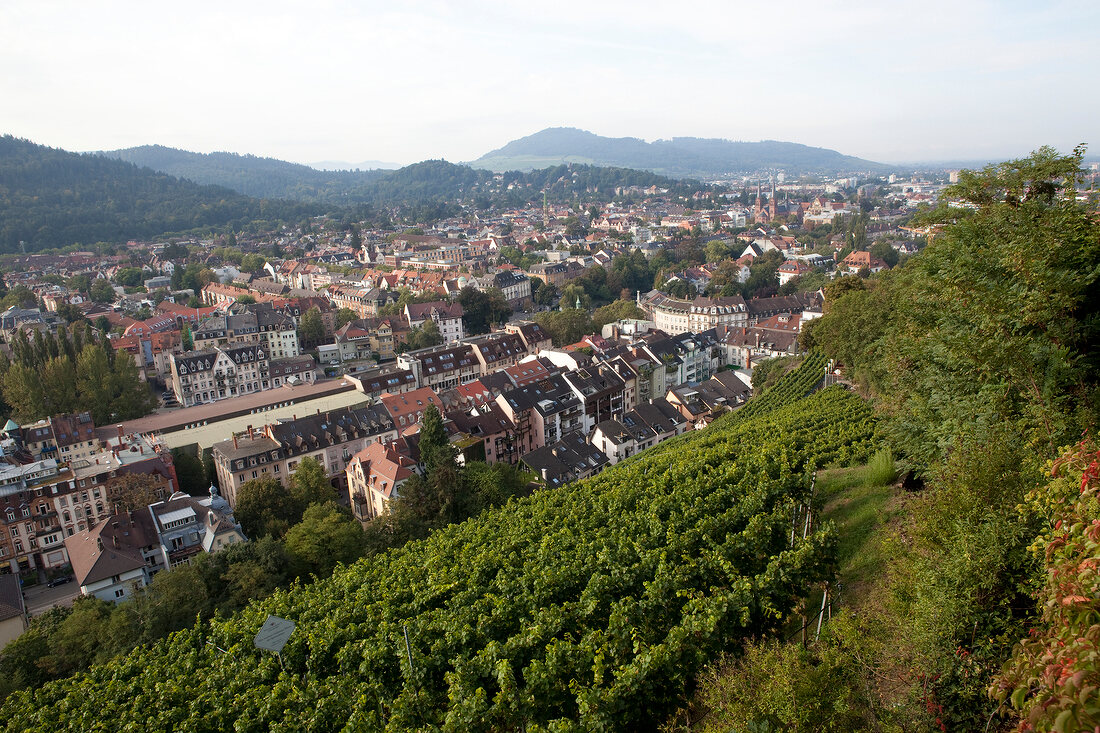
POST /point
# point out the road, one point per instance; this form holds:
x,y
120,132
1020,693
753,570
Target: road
x,y
40,599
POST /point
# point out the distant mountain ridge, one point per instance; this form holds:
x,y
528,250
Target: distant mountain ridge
x,y
55,198
678,157
249,174
364,165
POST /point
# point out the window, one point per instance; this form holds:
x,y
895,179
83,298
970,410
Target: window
x,y
26,511
14,531
119,593
254,474
18,546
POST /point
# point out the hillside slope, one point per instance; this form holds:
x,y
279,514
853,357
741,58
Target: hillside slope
x,y
592,605
680,157
54,198
248,174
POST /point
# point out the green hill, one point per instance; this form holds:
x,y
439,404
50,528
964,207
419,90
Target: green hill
x,y
54,198
249,174
591,606
679,157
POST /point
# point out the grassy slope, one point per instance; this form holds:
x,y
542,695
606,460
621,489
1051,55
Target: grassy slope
x,y
867,515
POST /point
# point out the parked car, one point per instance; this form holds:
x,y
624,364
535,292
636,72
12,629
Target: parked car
x,y
59,581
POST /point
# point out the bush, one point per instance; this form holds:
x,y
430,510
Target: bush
x,y
881,471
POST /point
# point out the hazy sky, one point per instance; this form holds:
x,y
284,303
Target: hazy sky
x,y
405,81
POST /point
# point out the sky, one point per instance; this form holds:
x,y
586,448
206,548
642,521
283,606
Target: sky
x,y
407,81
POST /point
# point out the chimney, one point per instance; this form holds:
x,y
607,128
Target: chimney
x,y
250,433
235,446
99,543
120,432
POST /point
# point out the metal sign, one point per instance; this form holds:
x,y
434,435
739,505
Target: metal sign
x,y
274,634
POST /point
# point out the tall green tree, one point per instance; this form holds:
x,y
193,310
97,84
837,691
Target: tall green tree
x,y
309,484
328,534
311,329
266,508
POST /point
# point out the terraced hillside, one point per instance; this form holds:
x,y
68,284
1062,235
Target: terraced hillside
x,y
586,607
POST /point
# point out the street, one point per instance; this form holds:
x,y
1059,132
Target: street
x,y
39,598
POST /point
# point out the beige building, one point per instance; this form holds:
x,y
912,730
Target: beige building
x,y
275,450
374,476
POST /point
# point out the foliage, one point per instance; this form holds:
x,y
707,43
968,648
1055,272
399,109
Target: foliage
x,y
72,372
309,484
266,508
785,687
311,329
591,605
482,308
881,470
190,472
130,276
993,321
52,198
423,336
768,372
133,491
327,535
981,352
1053,678
345,316
544,293
617,311
565,326
101,291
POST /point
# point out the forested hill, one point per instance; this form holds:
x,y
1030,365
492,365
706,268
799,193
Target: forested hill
x,y
427,181
53,198
249,174
680,157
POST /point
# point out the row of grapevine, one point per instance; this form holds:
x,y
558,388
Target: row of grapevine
x,y
793,386
588,607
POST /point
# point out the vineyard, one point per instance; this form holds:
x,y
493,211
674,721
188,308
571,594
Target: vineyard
x,y
588,607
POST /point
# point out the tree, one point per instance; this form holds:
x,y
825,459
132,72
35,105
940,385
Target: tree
x,y
246,300
328,534
345,316
80,283
190,472
617,311
565,326
572,294
481,309
130,276
70,312
884,252
252,263
266,508
310,484
101,291
311,329
133,491
187,341
717,250
424,336
543,293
